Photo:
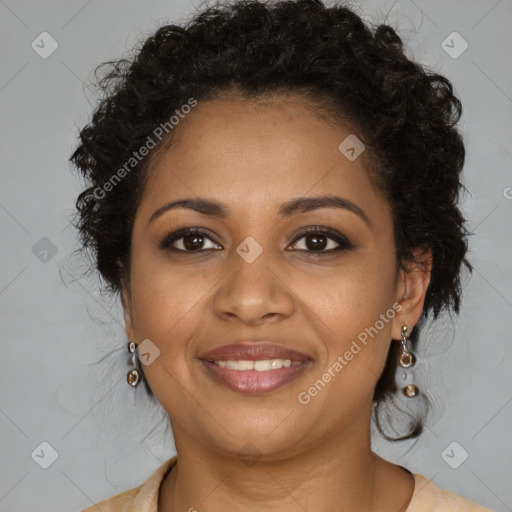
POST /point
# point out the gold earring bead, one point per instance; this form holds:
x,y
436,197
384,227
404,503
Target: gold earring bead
x,y
410,391
133,378
407,360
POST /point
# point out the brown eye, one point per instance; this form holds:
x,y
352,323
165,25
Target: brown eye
x,y
321,240
189,240
193,242
316,242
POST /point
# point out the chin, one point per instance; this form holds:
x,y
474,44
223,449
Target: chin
x,y
258,438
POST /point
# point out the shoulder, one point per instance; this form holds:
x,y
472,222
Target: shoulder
x,y
427,497
118,503
143,498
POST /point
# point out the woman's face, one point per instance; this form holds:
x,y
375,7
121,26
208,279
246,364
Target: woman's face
x,y
255,276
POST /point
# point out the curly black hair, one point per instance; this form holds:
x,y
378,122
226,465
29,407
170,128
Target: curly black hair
x,y
404,114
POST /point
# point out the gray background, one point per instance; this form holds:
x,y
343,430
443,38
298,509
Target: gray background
x,y
55,325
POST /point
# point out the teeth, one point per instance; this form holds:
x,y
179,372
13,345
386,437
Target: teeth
x,y
260,366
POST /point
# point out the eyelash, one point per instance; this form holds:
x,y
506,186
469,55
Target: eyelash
x,y
343,242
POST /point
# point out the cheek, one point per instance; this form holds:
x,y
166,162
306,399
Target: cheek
x,y
352,296
168,303
357,308
164,292
168,307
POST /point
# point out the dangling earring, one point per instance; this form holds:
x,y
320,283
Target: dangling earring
x,y
407,360
134,376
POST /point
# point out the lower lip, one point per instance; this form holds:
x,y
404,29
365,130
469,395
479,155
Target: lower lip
x,y
252,381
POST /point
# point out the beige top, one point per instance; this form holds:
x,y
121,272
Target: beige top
x,y
144,498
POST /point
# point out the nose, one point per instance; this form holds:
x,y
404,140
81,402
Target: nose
x,y
253,293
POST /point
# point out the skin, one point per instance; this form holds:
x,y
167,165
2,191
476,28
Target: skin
x,y
254,157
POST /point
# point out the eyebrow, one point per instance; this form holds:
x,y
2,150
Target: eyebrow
x,y
298,205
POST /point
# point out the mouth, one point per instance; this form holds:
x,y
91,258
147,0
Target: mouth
x,y
254,368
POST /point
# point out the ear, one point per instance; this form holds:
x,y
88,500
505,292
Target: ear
x,y
411,290
126,301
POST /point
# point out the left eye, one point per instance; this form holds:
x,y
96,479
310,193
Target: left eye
x,y
321,241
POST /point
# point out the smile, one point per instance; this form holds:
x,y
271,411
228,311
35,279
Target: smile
x,y
254,377
260,366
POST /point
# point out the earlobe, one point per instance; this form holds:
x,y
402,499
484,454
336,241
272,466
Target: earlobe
x,y
413,287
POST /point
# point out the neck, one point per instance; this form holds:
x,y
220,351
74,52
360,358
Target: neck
x,y
339,474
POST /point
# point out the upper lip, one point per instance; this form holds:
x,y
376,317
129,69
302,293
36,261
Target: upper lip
x,y
253,351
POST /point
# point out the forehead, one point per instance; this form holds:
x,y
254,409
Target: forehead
x,y
246,152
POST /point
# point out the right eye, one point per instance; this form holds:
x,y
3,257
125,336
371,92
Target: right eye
x,y
188,240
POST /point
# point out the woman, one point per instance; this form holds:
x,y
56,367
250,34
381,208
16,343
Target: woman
x,y
273,192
